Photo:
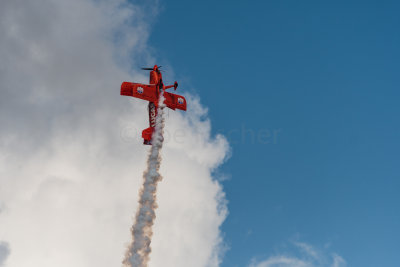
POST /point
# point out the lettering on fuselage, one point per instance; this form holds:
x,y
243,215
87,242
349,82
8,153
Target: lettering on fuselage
x,y
152,114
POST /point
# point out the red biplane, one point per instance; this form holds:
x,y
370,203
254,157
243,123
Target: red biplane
x,y
151,93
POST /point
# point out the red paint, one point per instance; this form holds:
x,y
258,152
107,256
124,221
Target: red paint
x,y
151,93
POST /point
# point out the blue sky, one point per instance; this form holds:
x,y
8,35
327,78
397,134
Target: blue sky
x,y
319,82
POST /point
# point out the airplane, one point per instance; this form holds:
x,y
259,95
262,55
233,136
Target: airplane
x,y
151,92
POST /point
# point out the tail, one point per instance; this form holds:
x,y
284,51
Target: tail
x,y
146,134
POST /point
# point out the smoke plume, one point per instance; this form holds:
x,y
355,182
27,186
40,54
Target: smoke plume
x,y
139,250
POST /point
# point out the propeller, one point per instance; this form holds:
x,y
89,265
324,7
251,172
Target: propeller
x,y
151,68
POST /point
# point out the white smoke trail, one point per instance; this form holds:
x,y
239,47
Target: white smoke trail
x,y
139,250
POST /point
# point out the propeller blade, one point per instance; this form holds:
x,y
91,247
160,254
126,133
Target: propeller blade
x,y
147,68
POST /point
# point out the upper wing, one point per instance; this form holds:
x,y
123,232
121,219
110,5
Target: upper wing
x,y
174,101
142,91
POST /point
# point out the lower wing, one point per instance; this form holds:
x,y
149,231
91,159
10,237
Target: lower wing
x,y
174,101
138,90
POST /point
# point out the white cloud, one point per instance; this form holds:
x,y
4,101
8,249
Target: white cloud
x,y
70,170
338,261
304,255
4,252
